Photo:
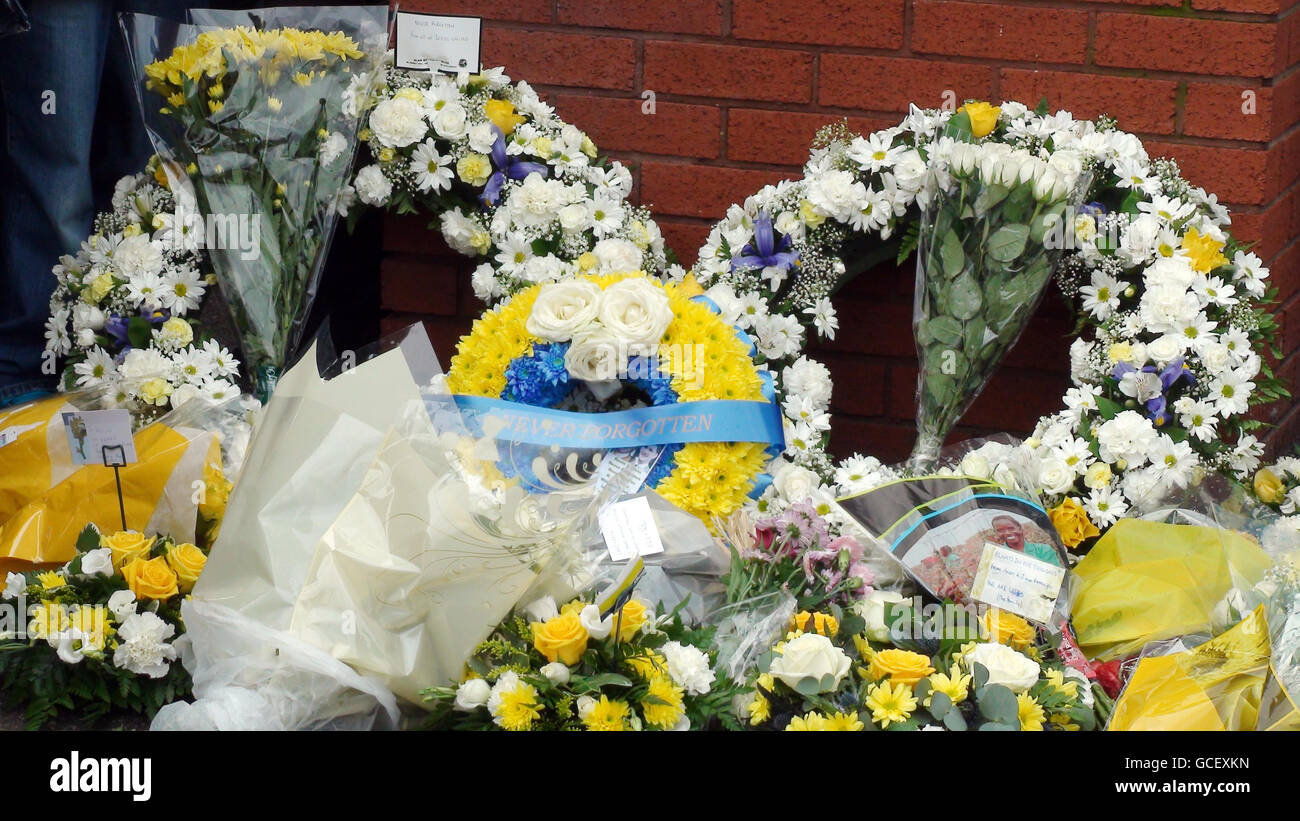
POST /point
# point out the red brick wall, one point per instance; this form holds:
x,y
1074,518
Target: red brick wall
x,y
741,85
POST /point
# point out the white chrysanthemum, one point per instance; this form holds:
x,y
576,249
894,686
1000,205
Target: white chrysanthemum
x,y
1128,437
142,645
138,256
809,378
372,187
397,122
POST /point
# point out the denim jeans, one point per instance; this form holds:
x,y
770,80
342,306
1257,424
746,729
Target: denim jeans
x,y
52,80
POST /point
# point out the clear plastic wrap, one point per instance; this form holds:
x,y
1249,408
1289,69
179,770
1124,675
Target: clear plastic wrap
x,y
370,525
747,629
46,499
982,265
250,120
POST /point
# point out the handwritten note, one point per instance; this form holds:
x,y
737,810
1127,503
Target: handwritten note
x,y
629,529
1010,580
100,437
624,471
437,42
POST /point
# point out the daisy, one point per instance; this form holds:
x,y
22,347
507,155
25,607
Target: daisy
x,y
1245,456
218,390
824,319
803,409
1101,298
432,170
1197,417
1173,462
194,365
606,216
1214,291
97,368
872,212
513,252
56,333
146,289
1250,272
875,152
182,290
1075,453
1105,506
1230,393
753,307
223,363
1166,209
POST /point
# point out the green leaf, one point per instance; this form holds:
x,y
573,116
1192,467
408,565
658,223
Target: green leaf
x,y
979,676
1008,242
138,332
955,721
940,704
998,703
88,539
998,726
958,127
1108,408
951,254
946,330
989,197
964,298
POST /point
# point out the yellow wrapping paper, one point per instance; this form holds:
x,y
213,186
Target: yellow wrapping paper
x,y
1148,581
1216,686
45,500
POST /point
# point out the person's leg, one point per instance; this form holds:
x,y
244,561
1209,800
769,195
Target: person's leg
x,y
49,83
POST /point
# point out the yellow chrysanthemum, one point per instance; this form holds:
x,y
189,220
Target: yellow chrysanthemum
x,y
844,722
1030,712
606,715
1056,678
519,708
813,722
954,684
648,665
662,706
1204,252
1063,722
759,708
50,580
823,623
890,704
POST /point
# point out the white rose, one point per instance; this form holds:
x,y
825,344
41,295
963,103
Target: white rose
x,y
15,584
98,562
562,309
1167,348
974,464
573,217
398,122
1055,476
449,122
593,356
544,609
872,609
597,627
811,656
121,604
585,705
635,311
617,255
794,483
1007,667
555,672
1006,477
87,316
472,694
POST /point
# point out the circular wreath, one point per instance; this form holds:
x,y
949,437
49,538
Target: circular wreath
x,y
502,359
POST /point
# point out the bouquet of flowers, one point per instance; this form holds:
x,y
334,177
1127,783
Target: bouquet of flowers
x,y
983,263
797,551
882,665
255,119
569,668
97,634
123,314
513,184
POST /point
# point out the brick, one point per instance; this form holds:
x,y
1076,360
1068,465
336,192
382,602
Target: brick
x,y
892,83
699,190
1232,174
732,72
419,285
883,329
411,234
1284,271
1140,105
889,441
859,385
621,124
1245,6
870,23
782,137
443,333
684,237
683,16
1013,400
548,57
529,11
1219,47
999,32
1223,111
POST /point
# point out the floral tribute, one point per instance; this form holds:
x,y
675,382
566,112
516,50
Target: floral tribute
x,y
98,633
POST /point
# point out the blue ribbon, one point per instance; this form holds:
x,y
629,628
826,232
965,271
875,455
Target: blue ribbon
x,y
711,420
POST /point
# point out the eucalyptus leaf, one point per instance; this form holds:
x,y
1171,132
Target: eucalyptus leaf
x,y
940,704
998,703
964,298
955,721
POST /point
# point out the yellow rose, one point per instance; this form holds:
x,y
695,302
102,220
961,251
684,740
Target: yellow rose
x,y
542,146
821,623
561,639
588,147
1269,487
1120,352
132,230
216,491
983,117
126,545
99,288
186,561
503,116
1072,522
587,262
1007,628
155,391
409,93
1098,475
150,578
899,666
386,155
633,618
808,213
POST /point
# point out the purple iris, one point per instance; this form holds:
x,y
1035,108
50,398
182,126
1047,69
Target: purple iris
x,y
1158,406
1093,209
507,167
117,326
765,251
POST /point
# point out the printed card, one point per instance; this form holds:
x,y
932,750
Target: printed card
x,y
438,42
